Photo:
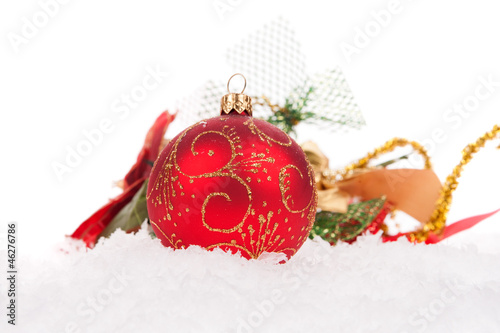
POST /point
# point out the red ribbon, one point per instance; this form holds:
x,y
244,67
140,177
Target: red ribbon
x,y
449,230
91,228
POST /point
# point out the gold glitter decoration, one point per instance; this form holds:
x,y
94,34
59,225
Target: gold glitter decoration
x,y
285,186
225,195
252,255
170,239
226,133
263,136
261,245
437,221
387,147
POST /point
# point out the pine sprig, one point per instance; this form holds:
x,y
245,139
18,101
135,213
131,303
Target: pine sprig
x,y
335,227
324,100
291,114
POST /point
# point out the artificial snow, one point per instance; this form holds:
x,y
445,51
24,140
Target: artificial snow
x,y
131,283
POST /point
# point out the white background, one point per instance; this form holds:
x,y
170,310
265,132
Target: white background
x,y
64,79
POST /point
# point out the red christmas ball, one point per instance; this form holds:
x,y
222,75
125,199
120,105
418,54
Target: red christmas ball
x,y
233,182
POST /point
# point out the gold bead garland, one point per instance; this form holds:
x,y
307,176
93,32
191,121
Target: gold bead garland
x,y
437,221
388,147
384,149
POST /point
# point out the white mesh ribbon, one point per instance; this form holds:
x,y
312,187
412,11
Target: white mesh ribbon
x,y
274,65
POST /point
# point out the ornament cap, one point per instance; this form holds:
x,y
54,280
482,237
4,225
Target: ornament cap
x,y
237,102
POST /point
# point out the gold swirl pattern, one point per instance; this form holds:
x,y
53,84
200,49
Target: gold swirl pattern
x,y
228,134
264,137
170,239
225,195
285,186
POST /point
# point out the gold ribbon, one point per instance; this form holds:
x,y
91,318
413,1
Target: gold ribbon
x,y
330,197
413,191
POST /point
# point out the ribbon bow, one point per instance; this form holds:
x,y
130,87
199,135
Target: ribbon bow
x,y
417,192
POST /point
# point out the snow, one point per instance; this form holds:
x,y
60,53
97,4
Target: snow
x,y
131,283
